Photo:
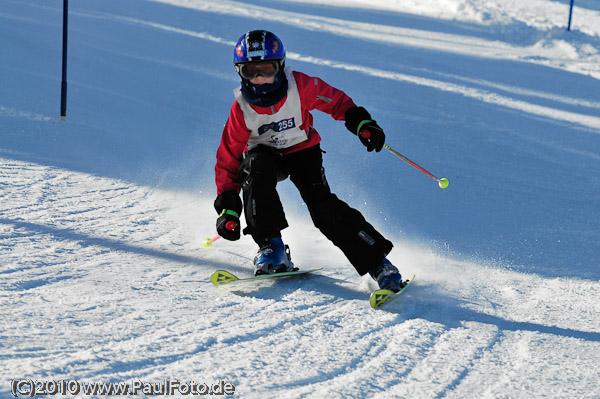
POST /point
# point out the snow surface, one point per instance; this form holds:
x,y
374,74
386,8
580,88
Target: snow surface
x,y
103,277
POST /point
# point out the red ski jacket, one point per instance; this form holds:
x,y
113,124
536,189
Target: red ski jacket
x,y
314,94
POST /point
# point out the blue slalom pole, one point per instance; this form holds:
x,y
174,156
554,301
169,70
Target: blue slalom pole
x,y
570,15
63,85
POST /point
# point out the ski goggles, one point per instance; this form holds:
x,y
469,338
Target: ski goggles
x,y
251,70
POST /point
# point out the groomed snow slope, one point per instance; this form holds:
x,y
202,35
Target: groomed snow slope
x,y
103,277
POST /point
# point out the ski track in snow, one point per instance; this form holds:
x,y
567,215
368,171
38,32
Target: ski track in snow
x,y
547,50
403,36
134,302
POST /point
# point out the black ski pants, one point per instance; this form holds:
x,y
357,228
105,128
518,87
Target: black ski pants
x,y
346,227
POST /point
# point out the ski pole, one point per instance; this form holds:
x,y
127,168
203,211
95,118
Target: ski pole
x,y
443,182
208,242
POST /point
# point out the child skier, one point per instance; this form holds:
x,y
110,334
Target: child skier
x,y
270,122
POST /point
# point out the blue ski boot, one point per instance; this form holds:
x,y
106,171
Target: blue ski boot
x,y
387,276
273,258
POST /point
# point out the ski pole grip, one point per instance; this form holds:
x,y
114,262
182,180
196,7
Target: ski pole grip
x,y
364,133
232,224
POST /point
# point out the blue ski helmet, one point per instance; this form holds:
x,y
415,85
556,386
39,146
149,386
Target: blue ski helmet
x,y
259,46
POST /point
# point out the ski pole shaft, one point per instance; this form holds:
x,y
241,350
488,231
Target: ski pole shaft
x,y
443,182
411,163
208,242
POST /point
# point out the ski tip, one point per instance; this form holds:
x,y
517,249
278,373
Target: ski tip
x,y
222,277
379,297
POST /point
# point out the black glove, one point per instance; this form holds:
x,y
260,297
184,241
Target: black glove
x,y
229,206
359,122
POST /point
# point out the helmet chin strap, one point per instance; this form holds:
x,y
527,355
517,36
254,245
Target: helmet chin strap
x,y
265,88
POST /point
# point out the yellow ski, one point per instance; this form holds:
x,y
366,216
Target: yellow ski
x,y
379,297
221,277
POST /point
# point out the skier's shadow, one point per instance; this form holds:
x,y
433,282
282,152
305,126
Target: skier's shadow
x,y
85,239
424,301
419,301
277,288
